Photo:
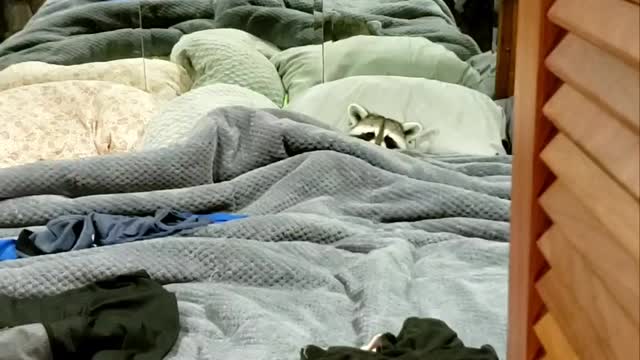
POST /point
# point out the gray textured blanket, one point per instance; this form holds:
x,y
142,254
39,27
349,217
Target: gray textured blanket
x,y
344,239
79,31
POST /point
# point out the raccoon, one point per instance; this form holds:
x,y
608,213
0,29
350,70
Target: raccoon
x,y
379,130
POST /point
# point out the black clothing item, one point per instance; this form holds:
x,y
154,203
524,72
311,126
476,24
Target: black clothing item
x,y
419,339
127,317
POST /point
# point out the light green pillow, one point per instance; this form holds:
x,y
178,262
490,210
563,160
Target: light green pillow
x,y
301,67
227,56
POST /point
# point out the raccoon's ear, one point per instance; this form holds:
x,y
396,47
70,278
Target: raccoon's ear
x,y
356,114
411,130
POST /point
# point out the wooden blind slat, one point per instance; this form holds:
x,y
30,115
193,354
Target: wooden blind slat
x,y
599,76
618,269
590,292
613,25
553,339
613,146
613,206
571,318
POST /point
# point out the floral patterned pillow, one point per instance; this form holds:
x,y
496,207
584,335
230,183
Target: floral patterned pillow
x,y
163,79
70,119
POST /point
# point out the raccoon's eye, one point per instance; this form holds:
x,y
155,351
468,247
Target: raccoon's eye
x,y
390,143
366,136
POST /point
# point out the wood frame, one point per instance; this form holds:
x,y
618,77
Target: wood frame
x,y
506,52
530,176
575,233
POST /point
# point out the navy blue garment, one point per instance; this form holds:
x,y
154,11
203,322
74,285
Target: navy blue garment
x,y
8,249
74,232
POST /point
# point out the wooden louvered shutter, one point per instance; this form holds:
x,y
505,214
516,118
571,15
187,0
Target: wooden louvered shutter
x,y
575,258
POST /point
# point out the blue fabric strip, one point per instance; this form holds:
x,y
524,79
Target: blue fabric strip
x,y
8,249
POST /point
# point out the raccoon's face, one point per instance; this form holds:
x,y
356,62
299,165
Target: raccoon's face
x,y
381,131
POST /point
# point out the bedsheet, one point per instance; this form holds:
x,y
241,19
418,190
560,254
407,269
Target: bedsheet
x,y
344,239
44,121
69,32
163,79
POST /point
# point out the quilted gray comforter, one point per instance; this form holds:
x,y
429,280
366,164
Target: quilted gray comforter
x,y
69,32
344,240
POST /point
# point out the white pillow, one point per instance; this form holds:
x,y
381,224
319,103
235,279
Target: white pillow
x,y
301,67
461,120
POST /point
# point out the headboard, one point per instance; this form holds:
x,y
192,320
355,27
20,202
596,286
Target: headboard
x,y
506,56
14,15
575,238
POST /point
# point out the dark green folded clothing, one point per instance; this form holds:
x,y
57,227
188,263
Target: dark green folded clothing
x,y
127,317
419,339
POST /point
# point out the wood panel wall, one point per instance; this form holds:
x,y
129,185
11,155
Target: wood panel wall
x,y
575,243
506,51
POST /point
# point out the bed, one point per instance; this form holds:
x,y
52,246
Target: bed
x,y
342,240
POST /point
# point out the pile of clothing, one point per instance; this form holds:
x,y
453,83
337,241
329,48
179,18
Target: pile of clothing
x,y
419,339
128,316
98,321
132,316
